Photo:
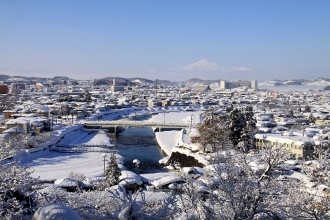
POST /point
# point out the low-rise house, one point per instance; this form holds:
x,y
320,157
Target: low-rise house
x,y
8,113
322,122
300,146
19,122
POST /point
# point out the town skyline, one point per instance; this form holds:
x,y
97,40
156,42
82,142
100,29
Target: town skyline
x,y
169,40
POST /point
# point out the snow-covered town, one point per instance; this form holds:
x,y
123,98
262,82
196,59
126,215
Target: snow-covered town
x,y
164,110
106,149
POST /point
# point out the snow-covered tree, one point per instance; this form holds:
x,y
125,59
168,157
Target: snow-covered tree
x,y
15,191
87,96
311,118
19,141
246,140
7,102
241,125
64,110
112,172
307,108
213,131
245,186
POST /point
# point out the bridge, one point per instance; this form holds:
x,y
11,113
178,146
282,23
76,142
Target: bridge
x,y
84,148
115,124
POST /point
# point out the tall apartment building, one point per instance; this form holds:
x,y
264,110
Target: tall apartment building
x,y
239,83
18,86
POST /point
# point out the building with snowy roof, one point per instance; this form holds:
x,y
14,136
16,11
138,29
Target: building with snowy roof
x,y
299,146
202,88
21,123
239,84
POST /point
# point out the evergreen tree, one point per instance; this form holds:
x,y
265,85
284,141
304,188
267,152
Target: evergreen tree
x,y
236,123
241,126
326,88
248,130
307,108
112,171
87,96
311,118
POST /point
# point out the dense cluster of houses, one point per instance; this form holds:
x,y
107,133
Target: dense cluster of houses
x,y
306,113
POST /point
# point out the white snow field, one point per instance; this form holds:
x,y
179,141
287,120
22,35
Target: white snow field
x,y
54,165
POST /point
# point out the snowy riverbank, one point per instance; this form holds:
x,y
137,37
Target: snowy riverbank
x,y
166,141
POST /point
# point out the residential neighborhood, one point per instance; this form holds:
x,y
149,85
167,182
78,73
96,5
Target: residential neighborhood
x,y
194,126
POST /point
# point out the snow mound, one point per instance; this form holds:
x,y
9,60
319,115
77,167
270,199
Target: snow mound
x,y
166,180
67,182
128,178
51,189
55,212
194,133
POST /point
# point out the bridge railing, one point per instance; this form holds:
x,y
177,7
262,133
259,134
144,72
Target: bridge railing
x,y
137,123
85,145
84,150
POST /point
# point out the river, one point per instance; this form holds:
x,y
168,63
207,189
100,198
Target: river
x,y
141,144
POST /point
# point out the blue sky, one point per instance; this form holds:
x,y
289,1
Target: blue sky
x,y
153,39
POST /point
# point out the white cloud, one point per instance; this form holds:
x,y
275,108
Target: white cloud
x,y
241,68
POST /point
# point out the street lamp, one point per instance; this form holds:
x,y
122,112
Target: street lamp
x,y
52,125
136,162
164,118
191,119
104,156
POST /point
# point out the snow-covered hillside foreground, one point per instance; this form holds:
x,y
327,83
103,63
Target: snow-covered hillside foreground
x,y
229,184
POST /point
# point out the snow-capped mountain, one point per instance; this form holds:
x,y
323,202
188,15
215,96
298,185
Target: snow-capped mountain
x,y
206,65
202,65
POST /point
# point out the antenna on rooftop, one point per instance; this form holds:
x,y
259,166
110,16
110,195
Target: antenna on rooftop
x,y
156,88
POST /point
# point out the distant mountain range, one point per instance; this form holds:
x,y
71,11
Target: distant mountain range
x,y
316,82
142,81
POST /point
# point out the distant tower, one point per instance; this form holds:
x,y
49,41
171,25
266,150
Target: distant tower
x,y
93,82
114,82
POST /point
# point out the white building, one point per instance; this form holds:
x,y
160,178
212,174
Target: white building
x,y
238,84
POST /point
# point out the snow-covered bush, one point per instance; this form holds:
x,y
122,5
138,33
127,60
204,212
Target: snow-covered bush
x,y
16,200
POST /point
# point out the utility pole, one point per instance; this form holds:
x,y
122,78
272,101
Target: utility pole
x,y
156,92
